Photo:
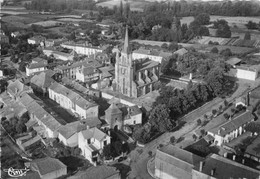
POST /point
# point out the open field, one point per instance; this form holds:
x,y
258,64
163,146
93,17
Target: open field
x,y
239,21
134,5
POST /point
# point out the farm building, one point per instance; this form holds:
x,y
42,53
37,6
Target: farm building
x,y
233,61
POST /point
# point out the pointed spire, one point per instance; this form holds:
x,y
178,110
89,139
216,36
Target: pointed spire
x,y
126,45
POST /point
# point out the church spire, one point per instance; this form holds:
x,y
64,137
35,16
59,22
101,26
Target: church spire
x,y
126,45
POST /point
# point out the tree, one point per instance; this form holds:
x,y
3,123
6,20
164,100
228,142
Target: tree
x,y
199,122
117,146
247,36
214,50
22,66
107,151
164,46
226,103
20,127
150,153
226,116
233,110
203,18
220,108
203,132
223,30
214,111
173,46
172,139
194,137
160,119
253,127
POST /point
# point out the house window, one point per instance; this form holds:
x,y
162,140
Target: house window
x,y
105,142
88,141
134,122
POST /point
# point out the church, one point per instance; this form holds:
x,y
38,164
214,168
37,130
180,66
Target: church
x,y
134,78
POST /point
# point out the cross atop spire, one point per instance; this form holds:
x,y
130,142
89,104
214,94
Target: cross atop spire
x,y
126,44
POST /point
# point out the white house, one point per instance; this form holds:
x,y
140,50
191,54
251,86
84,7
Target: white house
x,y
87,74
231,129
91,142
248,73
83,49
36,40
37,65
73,101
153,55
1,73
134,116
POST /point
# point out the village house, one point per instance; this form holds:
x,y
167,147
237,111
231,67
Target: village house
x,y
15,34
172,162
83,49
70,70
27,141
118,116
216,167
16,88
50,51
36,40
37,65
68,134
154,55
98,172
252,150
248,73
88,74
231,129
41,82
54,42
91,142
48,125
73,101
181,52
47,168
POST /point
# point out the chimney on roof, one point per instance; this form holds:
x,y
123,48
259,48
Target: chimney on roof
x,y
234,157
201,165
212,172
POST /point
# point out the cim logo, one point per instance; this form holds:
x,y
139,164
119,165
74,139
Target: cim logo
x,y
16,172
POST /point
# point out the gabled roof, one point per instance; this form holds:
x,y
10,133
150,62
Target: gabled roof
x,y
38,59
43,79
47,165
89,70
180,155
233,124
181,51
98,172
37,65
233,61
113,109
16,87
254,147
142,64
31,141
226,168
71,128
94,133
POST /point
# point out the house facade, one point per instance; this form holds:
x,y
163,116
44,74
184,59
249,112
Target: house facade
x,y
91,142
37,65
246,73
36,40
134,78
231,129
88,74
71,100
82,49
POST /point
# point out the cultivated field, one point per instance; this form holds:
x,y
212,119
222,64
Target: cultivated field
x,y
134,5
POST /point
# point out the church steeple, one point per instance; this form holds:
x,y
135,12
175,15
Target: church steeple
x,y
126,44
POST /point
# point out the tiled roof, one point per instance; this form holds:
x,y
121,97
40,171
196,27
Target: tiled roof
x,y
38,59
107,71
113,109
47,165
89,70
16,87
34,108
233,124
37,65
71,128
134,110
254,147
225,168
181,51
73,44
181,155
93,133
98,172
31,175
31,141
73,96
86,62
143,64
62,54
233,61
43,80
